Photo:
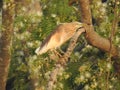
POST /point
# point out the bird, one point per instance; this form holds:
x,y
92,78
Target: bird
x,y
61,34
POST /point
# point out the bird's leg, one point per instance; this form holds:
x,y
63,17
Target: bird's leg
x,y
54,55
57,53
61,51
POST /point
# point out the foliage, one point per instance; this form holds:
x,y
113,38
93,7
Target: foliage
x,y
87,69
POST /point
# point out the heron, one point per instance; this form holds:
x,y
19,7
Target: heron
x,y
61,34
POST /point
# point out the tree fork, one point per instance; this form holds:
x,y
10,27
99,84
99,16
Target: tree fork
x,y
93,38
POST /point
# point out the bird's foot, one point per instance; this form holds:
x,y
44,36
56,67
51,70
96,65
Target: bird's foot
x,y
57,53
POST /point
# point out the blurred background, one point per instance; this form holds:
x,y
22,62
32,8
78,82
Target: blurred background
x,y
87,67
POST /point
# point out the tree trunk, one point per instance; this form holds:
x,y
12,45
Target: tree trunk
x,y
5,40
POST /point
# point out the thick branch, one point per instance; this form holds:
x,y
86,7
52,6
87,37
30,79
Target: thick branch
x,y
85,11
92,37
97,41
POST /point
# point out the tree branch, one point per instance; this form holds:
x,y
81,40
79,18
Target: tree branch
x,y
85,11
96,40
92,37
64,59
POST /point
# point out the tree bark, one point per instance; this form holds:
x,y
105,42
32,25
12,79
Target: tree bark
x,y
5,40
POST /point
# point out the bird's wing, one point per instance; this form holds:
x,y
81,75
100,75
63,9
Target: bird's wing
x,y
51,41
54,32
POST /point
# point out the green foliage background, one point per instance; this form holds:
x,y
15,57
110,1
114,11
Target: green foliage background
x,y
87,68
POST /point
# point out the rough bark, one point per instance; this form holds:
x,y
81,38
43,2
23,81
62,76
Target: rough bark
x,y
5,40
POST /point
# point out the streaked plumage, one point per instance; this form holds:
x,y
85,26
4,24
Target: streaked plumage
x,y
60,35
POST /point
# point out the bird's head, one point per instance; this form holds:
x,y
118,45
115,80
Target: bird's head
x,y
77,25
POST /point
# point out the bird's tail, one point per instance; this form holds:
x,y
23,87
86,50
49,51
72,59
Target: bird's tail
x,y
40,50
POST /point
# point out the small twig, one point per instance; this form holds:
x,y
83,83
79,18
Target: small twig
x,y
113,31
114,25
53,76
63,60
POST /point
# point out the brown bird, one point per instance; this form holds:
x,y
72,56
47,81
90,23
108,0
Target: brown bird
x,y
59,36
